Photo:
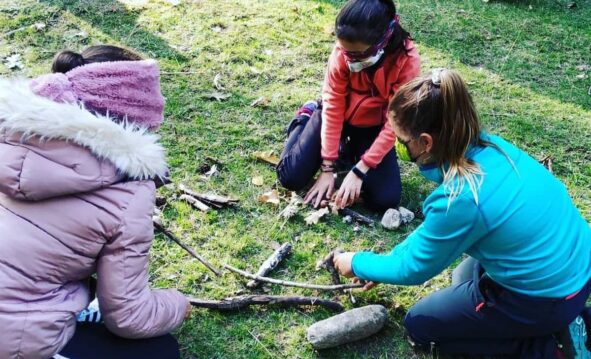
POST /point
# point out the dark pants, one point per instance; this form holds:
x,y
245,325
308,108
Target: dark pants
x,y
301,160
480,317
94,341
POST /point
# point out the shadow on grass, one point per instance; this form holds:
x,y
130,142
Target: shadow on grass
x,y
120,23
540,44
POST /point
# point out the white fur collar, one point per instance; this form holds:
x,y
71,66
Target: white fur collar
x,y
132,150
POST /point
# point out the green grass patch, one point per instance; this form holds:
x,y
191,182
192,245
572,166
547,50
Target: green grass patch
x,y
527,63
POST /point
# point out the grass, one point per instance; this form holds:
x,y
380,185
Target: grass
x,y
527,62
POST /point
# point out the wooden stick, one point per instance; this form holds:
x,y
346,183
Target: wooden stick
x,y
189,250
328,264
195,202
292,284
237,303
207,197
356,216
271,263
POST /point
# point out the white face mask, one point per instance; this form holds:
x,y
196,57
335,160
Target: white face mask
x,y
358,66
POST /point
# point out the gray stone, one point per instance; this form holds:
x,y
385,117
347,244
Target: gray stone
x,y
406,215
347,327
391,219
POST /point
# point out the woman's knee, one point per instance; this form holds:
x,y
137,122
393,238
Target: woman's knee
x,y
416,329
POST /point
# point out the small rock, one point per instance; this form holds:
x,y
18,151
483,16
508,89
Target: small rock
x,y
391,219
405,215
347,327
347,219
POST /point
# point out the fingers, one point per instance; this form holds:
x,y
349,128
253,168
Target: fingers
x,y
369,285
346,198
311,194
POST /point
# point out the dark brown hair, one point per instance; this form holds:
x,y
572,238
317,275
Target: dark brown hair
x,y
68,60
366,21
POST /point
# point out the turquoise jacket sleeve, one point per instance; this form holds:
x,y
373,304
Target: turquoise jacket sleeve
x,y
443,236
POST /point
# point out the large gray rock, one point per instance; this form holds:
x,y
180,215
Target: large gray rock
x,y
347,327
391,219
406,215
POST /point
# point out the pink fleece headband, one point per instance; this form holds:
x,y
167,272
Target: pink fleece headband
x,y
125,89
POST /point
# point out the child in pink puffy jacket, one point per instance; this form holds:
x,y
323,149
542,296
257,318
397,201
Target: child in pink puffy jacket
x,y
76,198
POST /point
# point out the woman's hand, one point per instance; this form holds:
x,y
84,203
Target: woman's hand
x,y
343,263
351,187
321,190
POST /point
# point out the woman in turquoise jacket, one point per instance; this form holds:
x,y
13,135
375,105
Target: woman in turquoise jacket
x,y
529,247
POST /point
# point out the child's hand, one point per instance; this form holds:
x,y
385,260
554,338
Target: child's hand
x,y
321,190
349,191
351,187
343,263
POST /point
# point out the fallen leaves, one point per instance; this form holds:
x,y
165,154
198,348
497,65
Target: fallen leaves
x,y
14,62
217,82
270,197
266,156
293,208
260,102
314,216
216,95
258,181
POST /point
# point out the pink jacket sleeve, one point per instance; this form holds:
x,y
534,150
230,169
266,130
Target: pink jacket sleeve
x,y
410,69
130,308
334,104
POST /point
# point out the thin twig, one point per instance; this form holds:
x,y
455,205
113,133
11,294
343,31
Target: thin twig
x,y
356,216
328,264
292,284
237,303
189,250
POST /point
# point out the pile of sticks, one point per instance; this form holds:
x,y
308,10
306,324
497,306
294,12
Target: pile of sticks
x,y
200,201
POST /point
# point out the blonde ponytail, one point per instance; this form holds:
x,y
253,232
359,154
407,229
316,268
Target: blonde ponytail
x,y
439,104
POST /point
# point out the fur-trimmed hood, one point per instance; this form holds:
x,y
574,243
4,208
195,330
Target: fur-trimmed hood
x,y
68,135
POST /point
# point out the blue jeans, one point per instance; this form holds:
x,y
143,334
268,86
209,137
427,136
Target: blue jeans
x,y
300,160
480,317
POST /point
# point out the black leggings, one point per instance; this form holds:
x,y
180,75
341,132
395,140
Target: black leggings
x,y
301,160
94,341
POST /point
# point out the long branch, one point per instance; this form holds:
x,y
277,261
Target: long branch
x,y
236,303
292,284
189,250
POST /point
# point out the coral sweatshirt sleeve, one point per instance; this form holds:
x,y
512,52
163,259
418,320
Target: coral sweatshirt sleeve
x,y
410,68
130,308
334,103
436,243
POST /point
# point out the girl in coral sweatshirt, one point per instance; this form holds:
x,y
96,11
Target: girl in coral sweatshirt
x,y
372,58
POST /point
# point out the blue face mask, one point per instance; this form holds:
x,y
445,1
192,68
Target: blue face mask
x,y
432,172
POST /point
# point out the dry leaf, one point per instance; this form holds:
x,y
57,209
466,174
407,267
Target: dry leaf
x,y
583,67
581,76
270,197
219,96
14,62
217,82
39,26
260,102
267,156
258,181
213,171
255,71
315,216
572,5
289,211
